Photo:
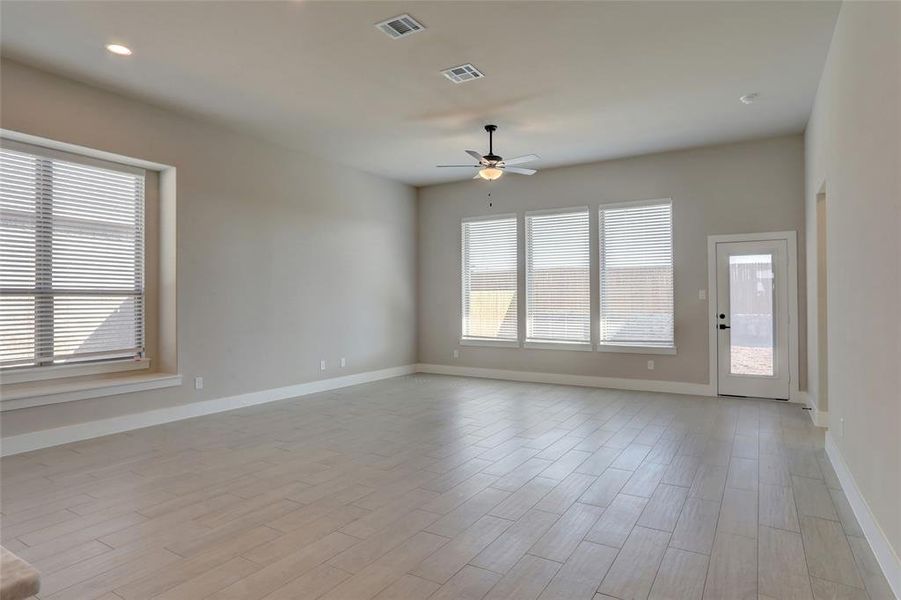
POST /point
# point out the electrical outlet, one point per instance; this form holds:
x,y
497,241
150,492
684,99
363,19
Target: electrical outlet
x,y
702,294
343,362
198,383
322,365
456,354
650,365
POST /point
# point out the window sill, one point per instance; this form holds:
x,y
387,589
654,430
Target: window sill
x,y
490,343
536,345
636,349
14,396
29,374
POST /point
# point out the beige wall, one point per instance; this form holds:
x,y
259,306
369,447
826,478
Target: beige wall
x,y
738,188
283,259
852,146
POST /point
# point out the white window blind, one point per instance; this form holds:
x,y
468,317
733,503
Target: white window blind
x,y
71,260
636,267
489,279
558,280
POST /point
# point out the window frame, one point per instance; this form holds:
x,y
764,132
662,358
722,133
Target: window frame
x,y
550,344
619,347
484,341
42,372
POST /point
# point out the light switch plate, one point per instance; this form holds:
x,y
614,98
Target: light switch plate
x,y
198,383
702,294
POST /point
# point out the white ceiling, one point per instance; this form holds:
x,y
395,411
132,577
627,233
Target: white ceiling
x,y
573,82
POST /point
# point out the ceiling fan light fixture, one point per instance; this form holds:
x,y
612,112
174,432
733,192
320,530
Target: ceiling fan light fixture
x,y
490,173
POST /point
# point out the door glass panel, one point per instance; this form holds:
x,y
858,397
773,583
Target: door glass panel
x,y
751,314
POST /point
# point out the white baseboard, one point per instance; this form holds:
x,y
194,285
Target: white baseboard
x,y
617,383
27,442
885,555
820,418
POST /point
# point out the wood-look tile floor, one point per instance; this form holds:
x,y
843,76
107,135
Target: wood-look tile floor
x,y
440,487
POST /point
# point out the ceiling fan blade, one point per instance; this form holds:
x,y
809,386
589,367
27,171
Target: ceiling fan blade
x,y
520,170
522,159
465,166
476,156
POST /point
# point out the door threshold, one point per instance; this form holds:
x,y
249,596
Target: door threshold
x,y
751,397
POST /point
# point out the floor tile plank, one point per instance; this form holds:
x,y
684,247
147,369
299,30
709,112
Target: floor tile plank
x,y
681,576
632,573
782,568
581,574
732,573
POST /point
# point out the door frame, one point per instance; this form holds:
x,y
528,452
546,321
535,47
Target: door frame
x,y
791,239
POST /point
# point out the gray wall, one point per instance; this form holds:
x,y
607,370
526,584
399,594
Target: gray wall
x,y
853,144
738,188
283,259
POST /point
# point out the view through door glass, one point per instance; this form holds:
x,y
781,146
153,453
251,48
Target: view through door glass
x,y
751,301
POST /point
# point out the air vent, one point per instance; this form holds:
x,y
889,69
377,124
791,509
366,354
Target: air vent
x,y
401,26
462,73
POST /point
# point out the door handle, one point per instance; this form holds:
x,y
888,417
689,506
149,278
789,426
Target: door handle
x,y
724,326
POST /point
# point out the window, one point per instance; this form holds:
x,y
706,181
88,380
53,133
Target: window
x,y
558,280
489,280
71,259
636,268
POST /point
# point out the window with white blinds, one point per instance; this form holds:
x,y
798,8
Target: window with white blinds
x,y
71,260
558,280
489,279
636,268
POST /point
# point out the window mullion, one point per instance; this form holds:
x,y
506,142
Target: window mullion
x,y
139,266
43,242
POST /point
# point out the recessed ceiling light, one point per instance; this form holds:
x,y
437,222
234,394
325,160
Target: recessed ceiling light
x,y
749,98
119,49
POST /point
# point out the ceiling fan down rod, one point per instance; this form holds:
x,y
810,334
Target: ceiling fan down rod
x,y
491,129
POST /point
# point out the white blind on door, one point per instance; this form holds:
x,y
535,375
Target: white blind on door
x,y
489,279
71,260
558,281
636,265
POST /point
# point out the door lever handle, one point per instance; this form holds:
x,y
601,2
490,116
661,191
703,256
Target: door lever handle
x,y
724,326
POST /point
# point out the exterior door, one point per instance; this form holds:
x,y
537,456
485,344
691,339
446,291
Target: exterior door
x,y
752,319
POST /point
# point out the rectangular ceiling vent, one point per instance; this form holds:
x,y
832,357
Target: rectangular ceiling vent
x,y
462,73
399,27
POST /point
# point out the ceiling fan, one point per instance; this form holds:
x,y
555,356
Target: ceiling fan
x,y
492,166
